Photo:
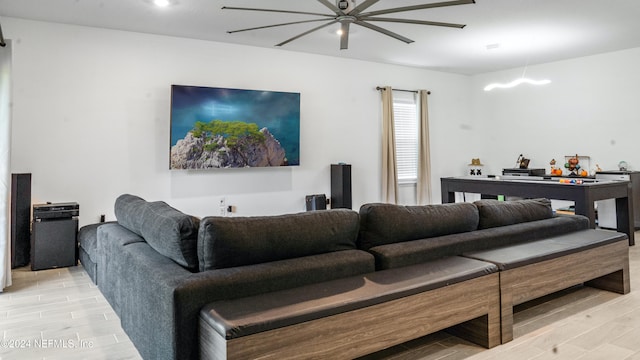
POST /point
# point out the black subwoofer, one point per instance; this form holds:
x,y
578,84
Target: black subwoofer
x,y
53,243
316,202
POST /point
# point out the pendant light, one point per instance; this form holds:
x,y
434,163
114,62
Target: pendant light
x,y
518,81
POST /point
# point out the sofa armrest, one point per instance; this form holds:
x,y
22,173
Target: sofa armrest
x,y
110,239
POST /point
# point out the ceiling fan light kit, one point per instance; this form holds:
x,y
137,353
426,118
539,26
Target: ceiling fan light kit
x,y
347,12
346,5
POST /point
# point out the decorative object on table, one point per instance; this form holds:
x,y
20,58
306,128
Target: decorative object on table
x,y
622,165
596,169
555,170
573,165
522,162
577,165
475,168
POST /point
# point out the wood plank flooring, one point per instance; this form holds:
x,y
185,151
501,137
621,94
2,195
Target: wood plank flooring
x,y
60,314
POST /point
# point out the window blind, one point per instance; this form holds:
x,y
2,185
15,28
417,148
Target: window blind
x,y
405,113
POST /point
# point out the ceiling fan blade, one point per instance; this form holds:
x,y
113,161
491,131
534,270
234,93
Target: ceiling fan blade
x,y
420,7
331,6
275,25
363,6
277,11
307,32
344,36
409,21
384,31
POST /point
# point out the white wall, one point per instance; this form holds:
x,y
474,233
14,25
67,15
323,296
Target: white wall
x,y
591,108
91,119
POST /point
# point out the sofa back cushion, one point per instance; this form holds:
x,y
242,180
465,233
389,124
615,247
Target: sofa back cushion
x,y
495,213
167,230
225,242
382,224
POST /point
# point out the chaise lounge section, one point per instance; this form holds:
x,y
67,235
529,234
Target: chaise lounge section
x,y
534,269
355,316
537,253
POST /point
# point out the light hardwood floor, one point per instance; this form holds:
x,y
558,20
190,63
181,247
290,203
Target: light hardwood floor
x,y
60,314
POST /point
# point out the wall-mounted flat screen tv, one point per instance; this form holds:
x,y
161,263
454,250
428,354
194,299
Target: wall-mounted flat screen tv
x,y
233,128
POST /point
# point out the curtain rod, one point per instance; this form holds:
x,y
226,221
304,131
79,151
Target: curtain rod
x,y
413,91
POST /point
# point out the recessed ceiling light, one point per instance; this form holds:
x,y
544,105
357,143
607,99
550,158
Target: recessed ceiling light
x,y
161,3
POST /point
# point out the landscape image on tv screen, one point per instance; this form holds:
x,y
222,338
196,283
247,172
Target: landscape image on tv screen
x,y
233,128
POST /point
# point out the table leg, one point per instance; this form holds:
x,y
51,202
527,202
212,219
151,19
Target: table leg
x,y
624,216
586,208
448,196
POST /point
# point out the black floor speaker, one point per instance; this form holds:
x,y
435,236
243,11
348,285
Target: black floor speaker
x,y
340,186
20,219
53,243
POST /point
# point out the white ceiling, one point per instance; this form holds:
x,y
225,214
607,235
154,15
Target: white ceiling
x,y
523,31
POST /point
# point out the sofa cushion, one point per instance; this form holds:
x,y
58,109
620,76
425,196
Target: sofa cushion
x,y
236,241
418,251
167,230
382,224
495,213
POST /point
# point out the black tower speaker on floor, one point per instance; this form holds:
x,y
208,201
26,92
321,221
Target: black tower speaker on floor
x,y
340,186
20,219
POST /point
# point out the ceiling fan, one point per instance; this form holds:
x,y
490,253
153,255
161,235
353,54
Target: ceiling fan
x,y
346,13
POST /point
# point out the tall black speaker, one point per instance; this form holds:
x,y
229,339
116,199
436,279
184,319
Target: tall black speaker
x,y
340,186
20,219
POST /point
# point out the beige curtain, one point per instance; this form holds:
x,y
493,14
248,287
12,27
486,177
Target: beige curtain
x,y
389,168
5,172
423,190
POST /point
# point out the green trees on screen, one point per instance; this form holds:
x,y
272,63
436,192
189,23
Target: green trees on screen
x,y
234,132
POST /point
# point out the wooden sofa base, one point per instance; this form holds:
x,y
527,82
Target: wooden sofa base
x,y
605,267
472,306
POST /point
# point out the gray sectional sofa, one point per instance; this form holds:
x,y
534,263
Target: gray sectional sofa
x,y
178,282
158,267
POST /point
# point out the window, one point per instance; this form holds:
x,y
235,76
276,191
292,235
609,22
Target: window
x,y
405,113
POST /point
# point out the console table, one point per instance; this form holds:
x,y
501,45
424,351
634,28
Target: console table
x,y
583,195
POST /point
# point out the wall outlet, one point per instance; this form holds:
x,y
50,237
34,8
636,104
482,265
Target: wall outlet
x,y
222,207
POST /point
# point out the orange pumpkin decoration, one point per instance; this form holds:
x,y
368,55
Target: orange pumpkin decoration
x,y
584,173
